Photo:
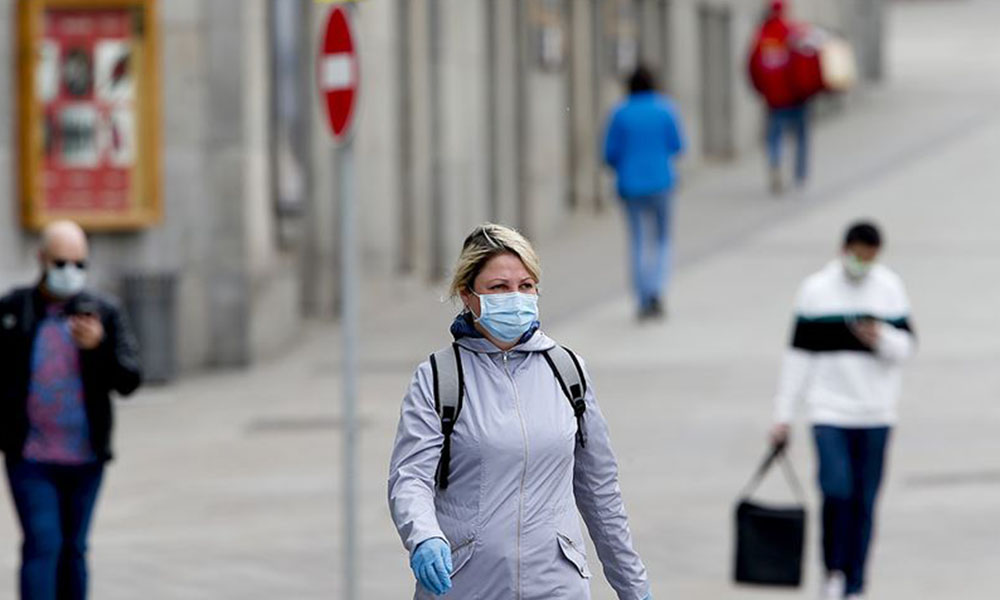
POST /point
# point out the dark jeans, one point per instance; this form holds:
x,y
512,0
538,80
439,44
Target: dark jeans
x,y
54,504
850,472
795,119
649,245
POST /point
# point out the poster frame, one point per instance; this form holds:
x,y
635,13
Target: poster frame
x,y
147,207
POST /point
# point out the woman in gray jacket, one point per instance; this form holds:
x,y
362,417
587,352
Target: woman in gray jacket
x,y
486,501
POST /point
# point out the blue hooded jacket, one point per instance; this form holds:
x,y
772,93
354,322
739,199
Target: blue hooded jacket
x,y
643,136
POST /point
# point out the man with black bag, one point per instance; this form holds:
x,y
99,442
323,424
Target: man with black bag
x,y
851,336
63,351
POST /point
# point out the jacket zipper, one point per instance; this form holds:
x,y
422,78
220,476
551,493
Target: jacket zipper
x,y
524,470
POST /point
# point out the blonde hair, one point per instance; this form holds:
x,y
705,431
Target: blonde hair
x,y
485,242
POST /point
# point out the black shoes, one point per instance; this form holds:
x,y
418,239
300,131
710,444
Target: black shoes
x,y
653,309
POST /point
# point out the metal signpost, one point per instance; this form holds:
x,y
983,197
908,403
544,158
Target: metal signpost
x,y
339,76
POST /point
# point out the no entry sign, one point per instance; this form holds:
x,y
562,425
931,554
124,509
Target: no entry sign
x,y
338,72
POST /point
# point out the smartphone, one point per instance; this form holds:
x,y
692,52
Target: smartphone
x,y
853,320
83,308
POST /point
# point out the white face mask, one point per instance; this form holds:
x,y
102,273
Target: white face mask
x,y
66,281
856,268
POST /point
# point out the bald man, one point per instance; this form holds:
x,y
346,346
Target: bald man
x,y
63,351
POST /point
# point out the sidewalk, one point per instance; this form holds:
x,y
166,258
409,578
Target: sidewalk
x,y
228,486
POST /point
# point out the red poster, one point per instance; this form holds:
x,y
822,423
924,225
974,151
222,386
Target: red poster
x,y
86,86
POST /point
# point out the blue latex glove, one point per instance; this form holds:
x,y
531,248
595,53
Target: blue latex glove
x,y
431,564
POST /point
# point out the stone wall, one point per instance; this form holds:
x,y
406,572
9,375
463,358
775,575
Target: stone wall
x,y
460,121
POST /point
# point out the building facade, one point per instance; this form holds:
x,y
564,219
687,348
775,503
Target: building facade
x,y
471,110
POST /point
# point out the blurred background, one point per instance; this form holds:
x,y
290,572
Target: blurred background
x,y
228,481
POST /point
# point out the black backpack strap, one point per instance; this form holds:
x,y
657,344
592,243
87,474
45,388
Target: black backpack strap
x,y
449,392
566,367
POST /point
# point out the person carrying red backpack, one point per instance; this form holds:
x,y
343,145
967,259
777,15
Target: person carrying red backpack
x,y
785,71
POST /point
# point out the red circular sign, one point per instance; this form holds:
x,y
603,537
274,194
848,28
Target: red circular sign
x,y
338,73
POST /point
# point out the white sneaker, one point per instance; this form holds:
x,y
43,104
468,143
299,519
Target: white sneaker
x,y
833,587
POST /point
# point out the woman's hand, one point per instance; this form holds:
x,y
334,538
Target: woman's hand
x,y
431,564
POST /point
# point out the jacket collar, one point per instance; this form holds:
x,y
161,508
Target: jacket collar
x,y
466,335
644,95
38,302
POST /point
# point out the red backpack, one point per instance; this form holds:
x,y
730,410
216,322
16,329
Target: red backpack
x,y
784,66
806,71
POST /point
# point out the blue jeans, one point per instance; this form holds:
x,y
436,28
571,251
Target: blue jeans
x,y
850,473
54,504
649,229
795,119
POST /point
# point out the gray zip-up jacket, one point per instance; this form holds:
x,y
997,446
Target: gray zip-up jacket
x,y
517,479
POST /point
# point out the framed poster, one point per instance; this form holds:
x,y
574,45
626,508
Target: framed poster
x,y
548,26
622,36
88,113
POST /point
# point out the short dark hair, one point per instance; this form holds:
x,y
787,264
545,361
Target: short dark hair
x,y
641,80
863,232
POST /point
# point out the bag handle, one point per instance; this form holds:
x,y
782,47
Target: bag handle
x,y
776,452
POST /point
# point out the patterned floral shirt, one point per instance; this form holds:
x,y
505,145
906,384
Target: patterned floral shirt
x,y
58,431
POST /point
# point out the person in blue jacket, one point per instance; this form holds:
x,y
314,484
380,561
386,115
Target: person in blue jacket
x,y
644,136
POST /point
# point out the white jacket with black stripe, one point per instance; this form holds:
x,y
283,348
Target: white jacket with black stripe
x,y
841,381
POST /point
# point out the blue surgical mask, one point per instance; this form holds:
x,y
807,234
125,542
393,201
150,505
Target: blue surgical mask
x,y
66,281
507,316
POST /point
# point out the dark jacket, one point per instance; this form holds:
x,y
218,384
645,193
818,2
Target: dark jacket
x,y
112,366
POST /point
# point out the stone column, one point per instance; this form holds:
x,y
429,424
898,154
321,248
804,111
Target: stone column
x,y
227,270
